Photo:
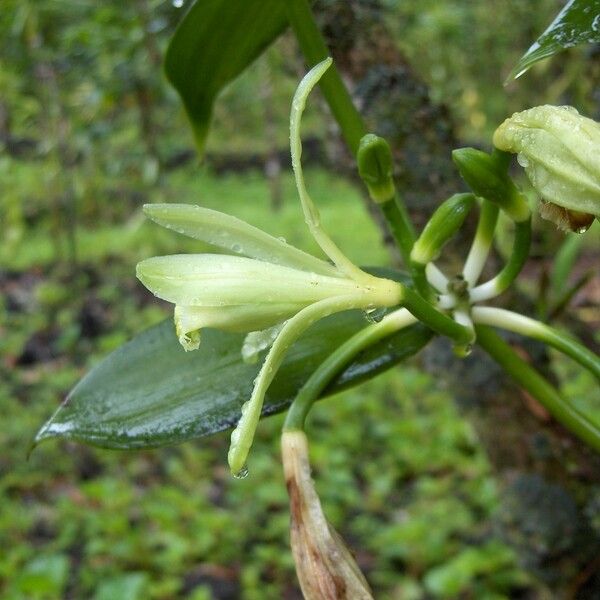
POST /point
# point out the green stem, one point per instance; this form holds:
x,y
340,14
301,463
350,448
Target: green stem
x,y
403,231
315,50
400,225
537,386
434,319
513,267
506,319
339,359
243,434
417,272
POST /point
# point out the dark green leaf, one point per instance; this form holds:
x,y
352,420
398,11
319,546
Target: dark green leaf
x,y
215,42
150,392
578,23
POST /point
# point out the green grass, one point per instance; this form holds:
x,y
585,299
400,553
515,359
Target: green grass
x,y
399,472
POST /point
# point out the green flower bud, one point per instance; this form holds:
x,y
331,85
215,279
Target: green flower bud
x,y
560,152
444,223
375,167
487,176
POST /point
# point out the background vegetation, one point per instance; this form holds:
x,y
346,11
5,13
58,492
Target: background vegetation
x,y
89,131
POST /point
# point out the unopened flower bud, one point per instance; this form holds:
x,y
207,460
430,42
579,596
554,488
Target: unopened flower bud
x,y
326,569
560,152
375,167
444,223
486,174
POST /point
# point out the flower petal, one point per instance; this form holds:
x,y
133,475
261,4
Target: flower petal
x,y
234,235
218,280
242,318
311,213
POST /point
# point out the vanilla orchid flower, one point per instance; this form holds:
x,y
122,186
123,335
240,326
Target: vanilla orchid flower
x,y
266,282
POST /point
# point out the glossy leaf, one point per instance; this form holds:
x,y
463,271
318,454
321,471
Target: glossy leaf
x,y
215,42
150,392
577,23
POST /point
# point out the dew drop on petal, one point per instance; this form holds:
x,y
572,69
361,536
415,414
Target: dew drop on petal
x,y
463,350
522,160
242,473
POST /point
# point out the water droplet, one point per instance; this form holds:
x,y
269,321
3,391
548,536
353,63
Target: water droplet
x,y
242,473
374,315
522,160
463,350
282,239
236,248
583,228
177,3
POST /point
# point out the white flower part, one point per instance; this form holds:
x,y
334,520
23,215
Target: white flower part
x,y
189,320
436,277
222,280
234,235
257,341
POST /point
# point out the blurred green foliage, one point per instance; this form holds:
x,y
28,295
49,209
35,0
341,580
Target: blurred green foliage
x,y
89,131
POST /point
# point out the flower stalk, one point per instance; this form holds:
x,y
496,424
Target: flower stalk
x,y
529,379
326,569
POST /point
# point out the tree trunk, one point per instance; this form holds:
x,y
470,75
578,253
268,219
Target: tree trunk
x,y
549,481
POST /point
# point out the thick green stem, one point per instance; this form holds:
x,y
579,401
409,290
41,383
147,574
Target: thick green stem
x,y
314,49
404,233
537,386
506,319
400,226
434,319
336,362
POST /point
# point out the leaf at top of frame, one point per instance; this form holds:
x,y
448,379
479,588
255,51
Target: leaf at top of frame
x,y
577,23
213,44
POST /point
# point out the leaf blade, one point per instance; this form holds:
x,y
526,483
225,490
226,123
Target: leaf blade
x,y
577,23
213,44
151,393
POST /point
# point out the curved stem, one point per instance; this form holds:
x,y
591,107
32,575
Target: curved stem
x,y
506,319
482,242
311,213
434,319
348,118
530,380
336,362
513,267
243,434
